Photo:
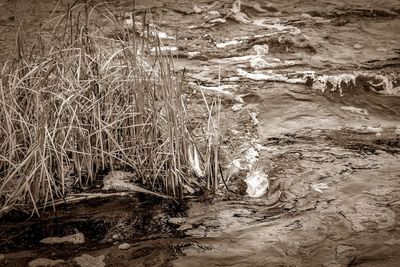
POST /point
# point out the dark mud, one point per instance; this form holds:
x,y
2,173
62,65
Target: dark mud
x,y
311,97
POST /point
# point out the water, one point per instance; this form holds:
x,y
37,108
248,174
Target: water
x,y
331,150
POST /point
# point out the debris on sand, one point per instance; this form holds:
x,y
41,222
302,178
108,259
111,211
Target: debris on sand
x,y
86,260
257,183
43,262
75,239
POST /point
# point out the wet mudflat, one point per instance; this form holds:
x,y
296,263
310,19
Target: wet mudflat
x,y
311,100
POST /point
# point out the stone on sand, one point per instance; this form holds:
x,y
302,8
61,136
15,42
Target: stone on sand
x,y
75,239
43,262
86,260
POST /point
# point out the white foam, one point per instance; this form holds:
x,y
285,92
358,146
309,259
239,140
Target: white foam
x,y
257,183
227,43
164,49
352,109
270,76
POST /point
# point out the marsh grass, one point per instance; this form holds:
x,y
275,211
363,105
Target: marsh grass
x,y
77,101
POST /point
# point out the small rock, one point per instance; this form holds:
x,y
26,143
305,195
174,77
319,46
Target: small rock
x,y
43,262
2,257
357,46
124,246
381,49
76,239
86,260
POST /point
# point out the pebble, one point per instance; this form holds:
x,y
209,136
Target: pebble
x,y
124,246
357,46
2,257
76,239
43,262
86,260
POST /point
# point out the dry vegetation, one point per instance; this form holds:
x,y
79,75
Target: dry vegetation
x,y
76,102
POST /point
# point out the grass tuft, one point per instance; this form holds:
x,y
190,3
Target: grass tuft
x,y
77,101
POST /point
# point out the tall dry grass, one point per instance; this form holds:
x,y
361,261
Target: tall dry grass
x,y
76,102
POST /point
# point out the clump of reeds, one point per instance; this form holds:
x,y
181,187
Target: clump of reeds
x,y
77,101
